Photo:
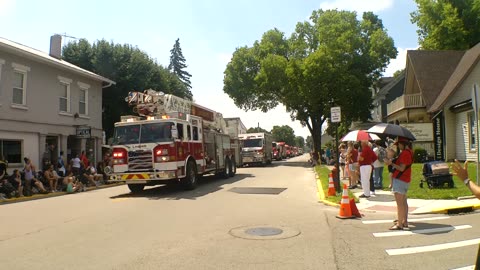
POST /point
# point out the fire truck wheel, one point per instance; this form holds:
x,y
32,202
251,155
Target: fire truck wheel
x,y
228,168
136,188
190,180
233,168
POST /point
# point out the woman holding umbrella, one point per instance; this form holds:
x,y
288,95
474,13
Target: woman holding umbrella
x,y
401,181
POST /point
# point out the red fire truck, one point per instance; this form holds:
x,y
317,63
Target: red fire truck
x,y
171,140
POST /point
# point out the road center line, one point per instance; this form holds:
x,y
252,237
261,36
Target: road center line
x,y
422,231
410,220
412,250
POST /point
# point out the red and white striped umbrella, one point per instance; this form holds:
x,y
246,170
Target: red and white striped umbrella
x,y
359,135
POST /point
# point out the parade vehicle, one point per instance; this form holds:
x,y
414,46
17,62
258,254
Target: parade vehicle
x,y
171,140
257,148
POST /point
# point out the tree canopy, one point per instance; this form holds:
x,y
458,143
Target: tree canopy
x,y
331,60
131,69
257,130
299,141
447,24
283,134
177,64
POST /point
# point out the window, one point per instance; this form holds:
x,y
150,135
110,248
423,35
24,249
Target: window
x,y
82,106
471,132
64,98
83,99
19,88
180,131
189,133
11,150
195,133
2,62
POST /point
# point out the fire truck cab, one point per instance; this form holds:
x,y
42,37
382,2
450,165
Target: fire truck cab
x,y
169,142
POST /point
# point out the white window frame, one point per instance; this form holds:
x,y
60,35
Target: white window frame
x,y
18,68
83,87
65,82
471,132
2,62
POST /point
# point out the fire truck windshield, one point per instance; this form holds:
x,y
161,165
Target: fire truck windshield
x,y
143,133
253,143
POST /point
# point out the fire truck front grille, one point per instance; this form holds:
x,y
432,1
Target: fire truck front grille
x,y
248,154
140,160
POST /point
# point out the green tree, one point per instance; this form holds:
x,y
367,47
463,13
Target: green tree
x,y
131,69
257,130
299,142
398,72
177,64
284,134
333,59
447,24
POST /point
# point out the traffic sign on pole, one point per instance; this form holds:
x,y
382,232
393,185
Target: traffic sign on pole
x,y
335,114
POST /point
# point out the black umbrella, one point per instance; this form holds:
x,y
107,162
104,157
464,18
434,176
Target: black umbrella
x,y
392,130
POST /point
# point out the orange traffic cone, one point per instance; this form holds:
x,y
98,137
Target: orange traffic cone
x,y
354,209
331,186
345,211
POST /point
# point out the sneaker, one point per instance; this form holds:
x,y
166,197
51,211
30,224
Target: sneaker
x,y
364,196
372,193
84,188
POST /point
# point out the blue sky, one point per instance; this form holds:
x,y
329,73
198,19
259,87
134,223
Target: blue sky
x,y
209,32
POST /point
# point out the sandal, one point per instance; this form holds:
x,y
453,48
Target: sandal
x,y
396,228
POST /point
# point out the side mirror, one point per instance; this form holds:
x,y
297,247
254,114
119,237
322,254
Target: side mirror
x,y
174,132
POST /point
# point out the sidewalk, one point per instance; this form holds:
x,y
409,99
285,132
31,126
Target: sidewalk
x,y
384,201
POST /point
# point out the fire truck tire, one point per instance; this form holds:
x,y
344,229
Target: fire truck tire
x,y
233,168
190,180
136,188
228,168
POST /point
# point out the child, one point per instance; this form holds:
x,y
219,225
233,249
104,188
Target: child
x,y
391,155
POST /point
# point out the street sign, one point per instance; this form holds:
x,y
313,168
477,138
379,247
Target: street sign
x,y
335,114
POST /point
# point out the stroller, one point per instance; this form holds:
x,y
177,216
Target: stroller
x,y
436,174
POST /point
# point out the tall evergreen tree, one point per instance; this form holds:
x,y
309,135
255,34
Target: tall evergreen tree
x,y
177,64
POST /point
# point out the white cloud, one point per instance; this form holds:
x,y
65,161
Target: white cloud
x,y
357,5
399,62
6,6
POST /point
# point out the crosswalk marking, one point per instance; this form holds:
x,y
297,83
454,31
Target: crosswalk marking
x,y
409,220
471,267
412,250
422,231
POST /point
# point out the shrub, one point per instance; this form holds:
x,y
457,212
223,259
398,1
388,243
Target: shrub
x,y
419,155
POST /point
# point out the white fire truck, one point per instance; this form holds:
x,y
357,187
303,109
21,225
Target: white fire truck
x,y
257,148
171,140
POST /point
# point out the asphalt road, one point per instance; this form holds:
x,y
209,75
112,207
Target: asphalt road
x,y
166,228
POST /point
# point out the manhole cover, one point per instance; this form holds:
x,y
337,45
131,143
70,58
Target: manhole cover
x,y
264,231
257,190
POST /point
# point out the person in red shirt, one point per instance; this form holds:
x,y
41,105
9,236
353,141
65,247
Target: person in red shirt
x,y
401,175
365,160
84,159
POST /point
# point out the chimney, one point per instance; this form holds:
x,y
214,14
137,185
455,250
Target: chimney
x,y
56,46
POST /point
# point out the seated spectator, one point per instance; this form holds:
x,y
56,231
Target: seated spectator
x,y
52,178
16,181
7,191
96,175
72,184
86,177
30,178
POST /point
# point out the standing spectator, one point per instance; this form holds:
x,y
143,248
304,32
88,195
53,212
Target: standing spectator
x,y
462,174
401,181
342,158
366,159
84,159
16,180
30,179
62,171
328,155
76,165
378,165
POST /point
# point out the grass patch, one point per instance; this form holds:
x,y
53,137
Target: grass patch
x,y
416,192
322,172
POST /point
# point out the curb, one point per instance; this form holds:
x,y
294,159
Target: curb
x,y
446,209
321,194
51,195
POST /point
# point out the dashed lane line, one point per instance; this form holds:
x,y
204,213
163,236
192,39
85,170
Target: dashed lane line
x,y
413,250
410,220
422,231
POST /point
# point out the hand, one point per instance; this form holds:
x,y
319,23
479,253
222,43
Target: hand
x,y
459,171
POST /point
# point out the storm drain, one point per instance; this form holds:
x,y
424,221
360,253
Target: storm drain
x,y
264,232
257,190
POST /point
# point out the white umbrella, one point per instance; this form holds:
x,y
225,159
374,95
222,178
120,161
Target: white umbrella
x,y
359,135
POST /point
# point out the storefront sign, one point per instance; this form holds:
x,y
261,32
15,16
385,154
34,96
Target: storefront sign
x,y
438,136
423,132
84,132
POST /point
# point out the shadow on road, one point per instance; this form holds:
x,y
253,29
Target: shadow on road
x,y
416,227
303,164
206,185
